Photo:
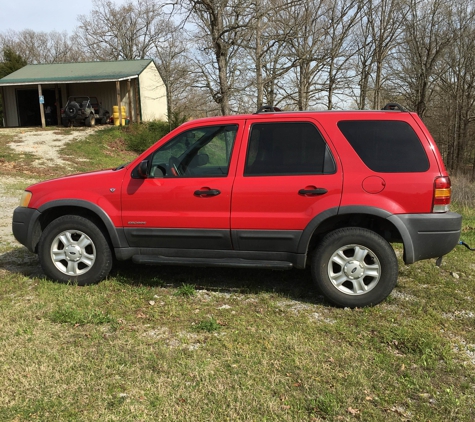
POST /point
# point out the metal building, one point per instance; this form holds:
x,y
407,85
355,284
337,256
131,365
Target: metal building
x,y
134,84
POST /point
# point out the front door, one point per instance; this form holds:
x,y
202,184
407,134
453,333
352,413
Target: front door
x,y
185,201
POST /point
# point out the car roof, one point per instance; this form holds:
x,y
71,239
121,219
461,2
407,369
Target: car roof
x,y
276,114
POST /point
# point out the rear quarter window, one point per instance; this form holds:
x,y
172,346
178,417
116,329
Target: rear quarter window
x,y
386,146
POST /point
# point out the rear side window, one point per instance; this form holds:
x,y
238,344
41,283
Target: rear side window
x,y
386,146
287,149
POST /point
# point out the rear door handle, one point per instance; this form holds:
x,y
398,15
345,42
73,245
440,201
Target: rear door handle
x,y
312,192
207,192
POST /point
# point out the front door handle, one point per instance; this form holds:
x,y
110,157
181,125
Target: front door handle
x,y
312,192
207,192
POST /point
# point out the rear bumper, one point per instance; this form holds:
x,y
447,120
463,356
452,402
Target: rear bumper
x,y
427,235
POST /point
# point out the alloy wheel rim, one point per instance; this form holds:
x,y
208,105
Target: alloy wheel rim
x,y
354,269
73,252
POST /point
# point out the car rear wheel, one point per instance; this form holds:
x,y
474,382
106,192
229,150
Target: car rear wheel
x,y
354,267
73,249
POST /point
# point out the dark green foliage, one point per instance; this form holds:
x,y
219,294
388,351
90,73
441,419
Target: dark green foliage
x,y
138,137
176,119
11,62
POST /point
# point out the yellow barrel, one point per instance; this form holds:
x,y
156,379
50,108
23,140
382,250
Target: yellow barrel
x,y
115,114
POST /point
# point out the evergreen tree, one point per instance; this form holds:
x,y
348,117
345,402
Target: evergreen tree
x,y
11,62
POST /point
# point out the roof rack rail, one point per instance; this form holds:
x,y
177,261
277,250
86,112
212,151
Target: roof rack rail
x,y
394,106
268,109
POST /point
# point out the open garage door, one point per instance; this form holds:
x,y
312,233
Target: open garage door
x,y
29,107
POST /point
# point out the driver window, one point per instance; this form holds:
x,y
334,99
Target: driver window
x,y
200,152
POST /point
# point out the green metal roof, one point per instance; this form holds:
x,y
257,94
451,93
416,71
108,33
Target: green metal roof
x,y
75,72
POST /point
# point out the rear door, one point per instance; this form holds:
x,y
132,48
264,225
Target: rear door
x,y
288,173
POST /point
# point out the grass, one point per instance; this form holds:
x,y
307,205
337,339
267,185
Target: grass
x,y
203,344
132,348
106,148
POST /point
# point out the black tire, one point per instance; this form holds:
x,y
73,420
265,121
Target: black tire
x,y
72,249
72,109
354,267
90,120
105,118
65,122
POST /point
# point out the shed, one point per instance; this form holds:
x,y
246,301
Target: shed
x,y
135,84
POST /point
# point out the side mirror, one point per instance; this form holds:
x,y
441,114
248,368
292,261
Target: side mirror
x,y
143,169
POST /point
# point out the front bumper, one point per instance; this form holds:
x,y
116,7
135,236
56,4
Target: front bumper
x,y
427,235
26,227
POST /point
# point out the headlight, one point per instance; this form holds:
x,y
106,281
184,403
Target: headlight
x,y
25,199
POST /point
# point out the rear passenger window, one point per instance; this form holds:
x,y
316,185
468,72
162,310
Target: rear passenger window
x,y
287,149
386,146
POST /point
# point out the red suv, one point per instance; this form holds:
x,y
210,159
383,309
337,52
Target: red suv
x,y
330,190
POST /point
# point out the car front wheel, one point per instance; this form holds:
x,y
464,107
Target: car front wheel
x,y
73,249
354,267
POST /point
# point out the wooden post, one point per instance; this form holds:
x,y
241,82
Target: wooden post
x,y
129,96
2,93
57,105
137,101
117,87
42,108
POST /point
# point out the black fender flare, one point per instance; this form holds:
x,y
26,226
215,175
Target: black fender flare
x,y
359,209
116,235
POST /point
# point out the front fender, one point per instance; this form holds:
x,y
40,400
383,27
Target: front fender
x,y
115,235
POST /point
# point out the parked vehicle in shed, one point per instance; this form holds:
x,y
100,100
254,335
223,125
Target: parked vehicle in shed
x,y
83,110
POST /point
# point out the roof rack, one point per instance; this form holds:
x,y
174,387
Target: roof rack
x,y
268,109
394,106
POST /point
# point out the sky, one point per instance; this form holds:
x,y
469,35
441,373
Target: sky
x,y
43,15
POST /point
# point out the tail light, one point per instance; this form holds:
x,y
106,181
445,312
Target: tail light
x,y
442,194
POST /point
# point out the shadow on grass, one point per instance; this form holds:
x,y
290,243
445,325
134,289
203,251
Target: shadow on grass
x,y
295,284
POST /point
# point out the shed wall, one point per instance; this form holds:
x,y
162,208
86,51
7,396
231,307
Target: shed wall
x,y
152,94
10,110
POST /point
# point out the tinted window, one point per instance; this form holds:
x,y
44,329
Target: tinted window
x,y
386,146
287,148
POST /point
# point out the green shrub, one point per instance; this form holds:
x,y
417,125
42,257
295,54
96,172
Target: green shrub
x,y
139,137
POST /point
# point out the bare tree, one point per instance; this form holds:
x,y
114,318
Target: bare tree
x,y
306,46
428,32
456,91
343,16
173,61
267,47
122,32
222,29
42,47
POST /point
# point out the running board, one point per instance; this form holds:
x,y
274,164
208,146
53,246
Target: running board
x,y
212,262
